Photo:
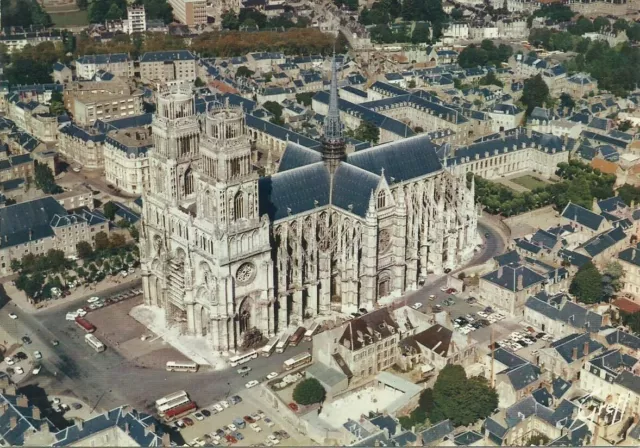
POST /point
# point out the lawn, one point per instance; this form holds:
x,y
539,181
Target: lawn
x,y
75,18
530,182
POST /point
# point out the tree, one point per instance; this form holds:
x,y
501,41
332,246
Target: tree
x,y
305,98
110,210
462,400
116,240
567,101
274,108
82,4
84,250
456,14
535,93
244,72
56,104
537,440
135,233
490,79
420,33
309,391
199,82
102,241
631,320
123,224
15,265
587,284
411,84
611,278
625,126
114,13
44,179
367,132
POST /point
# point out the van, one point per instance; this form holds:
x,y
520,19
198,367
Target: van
x,y
239,422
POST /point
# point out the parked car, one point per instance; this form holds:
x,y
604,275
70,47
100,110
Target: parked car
x,y
188,421
239,436
251,384
19,370
26,340
243,370
55,342
93,299
224,403
432,297
283,434
235,400
206,412
256,427
20,356
249,419
36,370
198,416
261,414
37,355
13,316
268,422
232,427
416,306
363,310
218,407
272,375
293,406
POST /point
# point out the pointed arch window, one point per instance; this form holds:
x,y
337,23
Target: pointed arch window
x,y
188,182
382,199
238,206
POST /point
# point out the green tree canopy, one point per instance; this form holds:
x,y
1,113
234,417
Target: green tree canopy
x,y
102,241
486,54
535,93
244,72
587,284
305,98
309,391
44,179
366,132
110,210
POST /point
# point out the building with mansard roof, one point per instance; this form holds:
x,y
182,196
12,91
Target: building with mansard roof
x,y
224,251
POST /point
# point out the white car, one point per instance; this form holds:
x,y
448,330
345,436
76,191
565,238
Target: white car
x,y
9,361
198,416
444,289
37,370
93,299
19,370
80,312
71,316
218,407
251,384
225,403
273,439
232,427
432,297
37,355
272,375
416,306
255,427
13,316
482,314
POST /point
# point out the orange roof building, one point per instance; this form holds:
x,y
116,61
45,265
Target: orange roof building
x,y
605,166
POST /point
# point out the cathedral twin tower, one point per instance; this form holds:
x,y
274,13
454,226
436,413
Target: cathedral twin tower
x,y
224,251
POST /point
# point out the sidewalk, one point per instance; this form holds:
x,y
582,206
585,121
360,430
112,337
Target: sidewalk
x,y
20,298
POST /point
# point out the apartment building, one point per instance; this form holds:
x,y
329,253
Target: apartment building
x,y
84,146
136,21
190,12
126,164
92,101
163,66
119,64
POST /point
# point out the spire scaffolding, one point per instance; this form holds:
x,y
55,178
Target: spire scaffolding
x,y
333,146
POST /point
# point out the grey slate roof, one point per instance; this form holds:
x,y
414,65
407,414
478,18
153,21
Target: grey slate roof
x,y
565,346
113,58
296,156
526,408
582,216
508,258
35,217
510,275
25,423
622,338
603,241
508,358
543,397
523,375
575,258
436,432
352,188
631,255
467,438
559,387
175,55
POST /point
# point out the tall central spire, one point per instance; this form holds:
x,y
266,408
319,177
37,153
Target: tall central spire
x,y
333,147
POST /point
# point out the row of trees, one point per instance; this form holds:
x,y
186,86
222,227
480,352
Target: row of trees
x,y
580,184
365,132
589,285
250,19
24,13
387,11
461,399
485,54
100,11
383,33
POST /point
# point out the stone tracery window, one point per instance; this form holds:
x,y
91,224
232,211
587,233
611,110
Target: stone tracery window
x,y
382,199
238,206
188,182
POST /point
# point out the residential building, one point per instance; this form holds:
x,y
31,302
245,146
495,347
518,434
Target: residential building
x,y
61,73
190,12
515,378
508,287
630,261
83,145
16,167
42,224
136,21
126,164
565,357
505,117
360,348
16,41
559,316
119,64
76,198
164,66
108,104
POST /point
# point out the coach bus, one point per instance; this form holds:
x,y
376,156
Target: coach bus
x,y
241,359
171,401
180,411
268,349
283,343
297,336
182,366
94,343
85,325
311,332
297,361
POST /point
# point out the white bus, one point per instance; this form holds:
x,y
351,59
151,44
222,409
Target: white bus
x,y
268,349
241,359
297,361
172,400
94,343
308,336
186,366
283,343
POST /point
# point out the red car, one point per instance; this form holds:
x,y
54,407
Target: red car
x,y
231,439
293,407
451,290
187,421
248,419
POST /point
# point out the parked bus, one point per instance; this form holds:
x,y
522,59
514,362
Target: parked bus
x,y
186,366
297,361
311,332
268,349
171,398
95,343
85,325
283,343
297,336
180,411
241,359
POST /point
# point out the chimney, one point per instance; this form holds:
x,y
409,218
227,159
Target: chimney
x,y
520,282
529,133
585,349
126,427
166,439
13,422
3,408
574,354
80,424
22,401
500,272
35,413
151,429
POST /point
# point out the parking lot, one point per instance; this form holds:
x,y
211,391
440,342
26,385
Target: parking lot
x,y
97,302
265,431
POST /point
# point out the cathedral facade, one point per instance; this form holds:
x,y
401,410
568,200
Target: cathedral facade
x,y
224,251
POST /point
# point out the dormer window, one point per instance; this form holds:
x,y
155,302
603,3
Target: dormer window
x,y
382,199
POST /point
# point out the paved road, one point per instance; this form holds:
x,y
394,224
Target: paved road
x,y
107,379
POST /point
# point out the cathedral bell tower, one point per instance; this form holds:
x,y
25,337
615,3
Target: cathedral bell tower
x,y
333,145
176,137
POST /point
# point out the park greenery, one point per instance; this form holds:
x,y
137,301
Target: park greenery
x,y
632,320
461,399
385,12
105,10
37,274
276,109
535,93
590,286
484,54
24,13
365,132
305,98
580,184
251,20
630,194
309,391
44,179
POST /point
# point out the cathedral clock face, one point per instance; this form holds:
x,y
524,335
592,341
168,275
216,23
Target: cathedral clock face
x,y
384,240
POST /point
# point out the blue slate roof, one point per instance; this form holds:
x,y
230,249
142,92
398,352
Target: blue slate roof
x,y
575,258
604,139
511,258
495,428
122,123
622,338
631,255
24,421
389,89
355,91
296,156
58,67
582,216
508,358
604,241
565,346
609,153
467,438
543,397
124,212
279,132
82,134
385,421
563,412
526,408
32,217
527,246
509,277
523,375
407,438
113,58
175,55
352,188
436,432
611,204
559,387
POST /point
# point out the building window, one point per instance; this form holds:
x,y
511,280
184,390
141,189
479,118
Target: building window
x,y
238,206
382,199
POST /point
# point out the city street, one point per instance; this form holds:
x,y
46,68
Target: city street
x,y
107,379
